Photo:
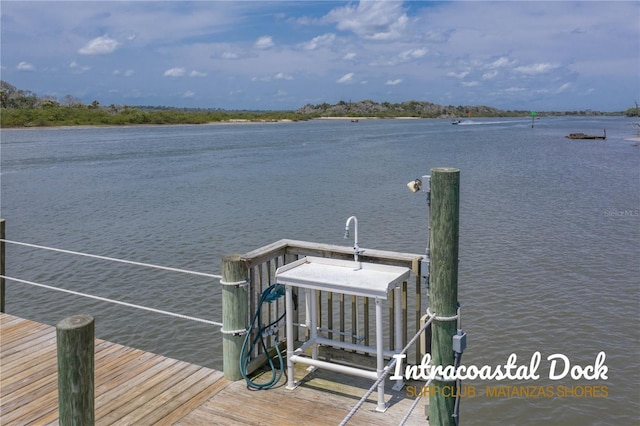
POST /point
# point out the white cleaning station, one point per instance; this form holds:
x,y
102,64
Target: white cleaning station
x,y
349,277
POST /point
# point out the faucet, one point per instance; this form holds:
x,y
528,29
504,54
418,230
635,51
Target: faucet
x,y
356,249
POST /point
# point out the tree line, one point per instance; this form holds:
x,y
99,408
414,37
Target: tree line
x,y
23,108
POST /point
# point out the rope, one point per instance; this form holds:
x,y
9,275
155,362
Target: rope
x,y
451,318
112,259
413,405
386,371
239,332
234,283
117,302
420,394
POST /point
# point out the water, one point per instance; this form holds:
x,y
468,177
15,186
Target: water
x,y
549,237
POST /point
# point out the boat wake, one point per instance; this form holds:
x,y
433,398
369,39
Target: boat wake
x,y
478,123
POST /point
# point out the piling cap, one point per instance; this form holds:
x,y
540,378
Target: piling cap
x,y
75,321
445,170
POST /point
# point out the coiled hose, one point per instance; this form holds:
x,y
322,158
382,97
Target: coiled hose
x,y
270,294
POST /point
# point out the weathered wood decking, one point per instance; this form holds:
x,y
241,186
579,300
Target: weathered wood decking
x,y
141,388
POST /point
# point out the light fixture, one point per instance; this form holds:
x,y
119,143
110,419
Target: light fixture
x,y
414,185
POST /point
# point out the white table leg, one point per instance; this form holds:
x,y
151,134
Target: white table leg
x,y
397,298
314,324
382,406
289,324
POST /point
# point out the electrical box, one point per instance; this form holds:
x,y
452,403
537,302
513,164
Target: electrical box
x,y
424,268
459,341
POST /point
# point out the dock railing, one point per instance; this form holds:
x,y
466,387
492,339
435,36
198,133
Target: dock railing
x,y
339,317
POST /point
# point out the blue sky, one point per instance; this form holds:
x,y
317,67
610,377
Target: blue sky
x,y
542,55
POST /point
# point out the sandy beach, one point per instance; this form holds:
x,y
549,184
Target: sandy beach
x,y
368,118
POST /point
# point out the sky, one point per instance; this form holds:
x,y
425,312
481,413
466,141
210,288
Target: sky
x,y
271,55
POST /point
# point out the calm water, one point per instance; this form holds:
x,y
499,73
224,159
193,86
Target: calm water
x,y
549,239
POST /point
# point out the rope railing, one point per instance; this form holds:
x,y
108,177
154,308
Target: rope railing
x,y
385,372
117,302
112,259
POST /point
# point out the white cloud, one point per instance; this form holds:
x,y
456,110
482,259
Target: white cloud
x,y
501,63
413,54
99,46
349,56
175,72
377,20
25,66
195,73
347,78
535,68
282,76
320,41
470,83
459,75
230,55
77,68
277,76
489,75
188,94
564,88
264,42
393,82
126,73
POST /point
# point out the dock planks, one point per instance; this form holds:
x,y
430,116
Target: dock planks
x,y
133,387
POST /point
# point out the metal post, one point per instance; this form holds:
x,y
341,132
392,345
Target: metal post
x,y
382,406
313,316
291,383
398,301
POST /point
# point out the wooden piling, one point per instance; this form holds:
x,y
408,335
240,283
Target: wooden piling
x,y
75,345
234,313
2,270
444,217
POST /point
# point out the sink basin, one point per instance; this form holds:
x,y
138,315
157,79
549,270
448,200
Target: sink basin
x,y
342,276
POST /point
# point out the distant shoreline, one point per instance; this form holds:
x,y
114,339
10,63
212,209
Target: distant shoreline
x,y
108,126
214,123
245,121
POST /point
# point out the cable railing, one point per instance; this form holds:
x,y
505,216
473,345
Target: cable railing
x,y
385,372
112,259
104,299
116,302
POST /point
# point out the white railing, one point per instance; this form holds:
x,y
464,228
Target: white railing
x,y
104,299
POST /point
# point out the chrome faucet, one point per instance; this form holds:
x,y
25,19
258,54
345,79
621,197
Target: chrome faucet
x,y
356,248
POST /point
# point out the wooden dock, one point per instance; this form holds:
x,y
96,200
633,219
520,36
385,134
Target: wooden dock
x,y
141,388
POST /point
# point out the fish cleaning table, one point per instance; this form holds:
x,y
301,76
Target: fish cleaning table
x,y
347,277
